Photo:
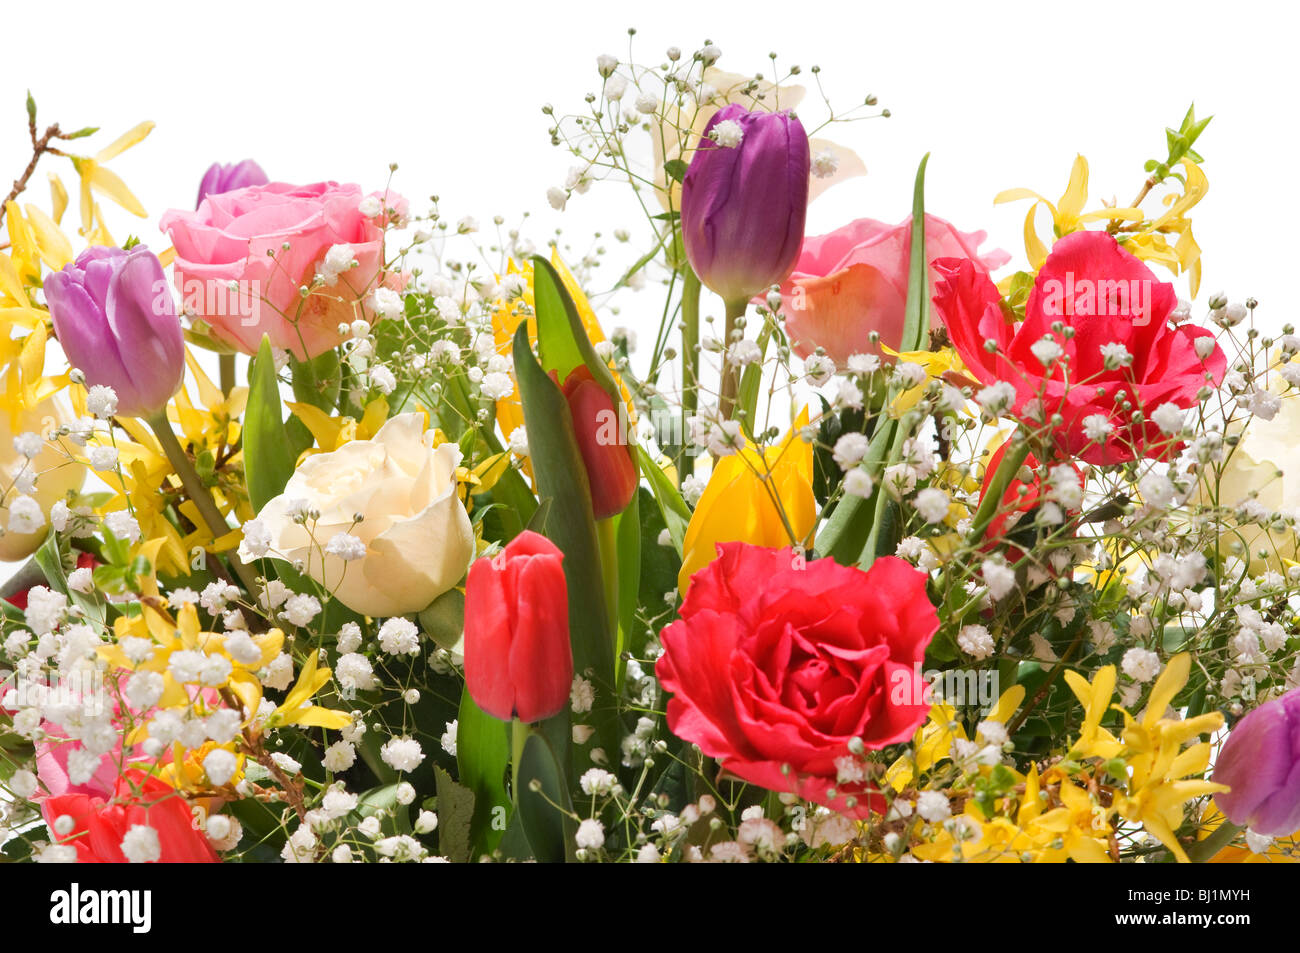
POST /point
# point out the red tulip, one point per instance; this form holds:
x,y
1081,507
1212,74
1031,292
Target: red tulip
x,y
518,663
139,799
602,441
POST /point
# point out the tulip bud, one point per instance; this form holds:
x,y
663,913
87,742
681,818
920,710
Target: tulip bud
x,y
226,178
602,441
518,663
114,316
1260,762
744,201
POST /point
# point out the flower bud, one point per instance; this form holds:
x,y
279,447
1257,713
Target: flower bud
x,y
226,178
114,316
518,663
744,203
602,441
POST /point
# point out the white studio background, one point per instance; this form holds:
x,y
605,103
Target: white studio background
x,y
1001,95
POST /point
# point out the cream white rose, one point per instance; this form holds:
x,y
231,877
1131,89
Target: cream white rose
x,y
1252,471
417,535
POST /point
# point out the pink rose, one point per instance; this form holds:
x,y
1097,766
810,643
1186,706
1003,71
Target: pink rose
x,y
854,281
242,257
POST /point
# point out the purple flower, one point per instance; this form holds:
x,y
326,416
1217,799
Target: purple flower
x,y
114,316
226,178
744,199
1260,761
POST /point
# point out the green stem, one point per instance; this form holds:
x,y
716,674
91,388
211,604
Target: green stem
x,y
226,366
690,368
518,736
1222,836
199,494
730,373
607,540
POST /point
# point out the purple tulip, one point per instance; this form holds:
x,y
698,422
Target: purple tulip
x,y
1260,761
744,202
114,316
226,178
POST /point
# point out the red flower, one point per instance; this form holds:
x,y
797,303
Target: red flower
x,y
776,666
518,662
1107,296
602,441
138,799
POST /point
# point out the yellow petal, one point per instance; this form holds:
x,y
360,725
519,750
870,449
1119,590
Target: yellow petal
x,y
109,184
125,141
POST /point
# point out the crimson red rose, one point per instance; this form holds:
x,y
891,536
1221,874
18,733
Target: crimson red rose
x,y
138,800
776,666
1107,296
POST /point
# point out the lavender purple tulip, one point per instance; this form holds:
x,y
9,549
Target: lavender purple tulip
x,y
744,203
114,315
1260,761
226,178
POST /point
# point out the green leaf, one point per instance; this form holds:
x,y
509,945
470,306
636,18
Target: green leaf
x,y
671,505
268,457
675,169
846,531
455,818
627,533
916,317
561,477
317,381
482,756
31,108
82,133
444,619
562,342
543,813
50,559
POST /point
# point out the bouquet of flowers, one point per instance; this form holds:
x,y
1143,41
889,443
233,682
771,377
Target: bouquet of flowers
x,y
908,557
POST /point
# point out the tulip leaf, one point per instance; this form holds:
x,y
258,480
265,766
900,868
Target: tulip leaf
x,y
854,527
627,533
916,317
846,532
482,756
675,512
268,457
561,477
562,342
544,813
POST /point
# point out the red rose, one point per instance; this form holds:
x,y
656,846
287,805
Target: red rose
x,y
1107,296
139,800
776,665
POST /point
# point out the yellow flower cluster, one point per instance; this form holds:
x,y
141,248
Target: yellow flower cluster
x,y
1074,809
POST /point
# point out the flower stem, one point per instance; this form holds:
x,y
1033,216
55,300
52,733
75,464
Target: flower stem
x,y
1222,836
730,373
198,493
226,366
607,540
518,736
690,367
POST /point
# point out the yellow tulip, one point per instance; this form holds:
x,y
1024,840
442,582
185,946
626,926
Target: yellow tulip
x,y
764,498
